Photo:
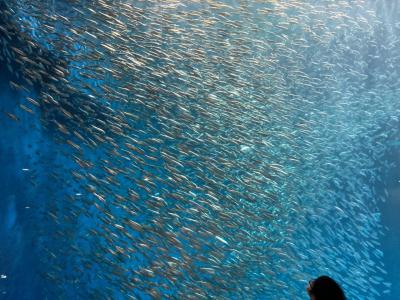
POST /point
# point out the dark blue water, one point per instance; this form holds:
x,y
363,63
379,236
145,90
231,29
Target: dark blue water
x,y
21,203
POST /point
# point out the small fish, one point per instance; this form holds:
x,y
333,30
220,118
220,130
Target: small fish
x,y
12,116
26,109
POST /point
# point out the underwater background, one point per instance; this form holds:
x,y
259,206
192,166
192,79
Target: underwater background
x,y
199,149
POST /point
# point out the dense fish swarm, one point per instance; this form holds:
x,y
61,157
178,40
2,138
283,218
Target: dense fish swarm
x,y
212,150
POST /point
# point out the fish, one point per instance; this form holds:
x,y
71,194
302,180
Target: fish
x,y
12,116
211,148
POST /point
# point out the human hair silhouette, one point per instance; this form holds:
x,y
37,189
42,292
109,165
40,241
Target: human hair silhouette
x,y
325,288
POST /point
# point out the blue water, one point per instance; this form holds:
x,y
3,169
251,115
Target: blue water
x,y
391,240
20,203
35,179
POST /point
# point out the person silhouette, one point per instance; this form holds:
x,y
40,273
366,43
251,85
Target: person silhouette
x,y
325,288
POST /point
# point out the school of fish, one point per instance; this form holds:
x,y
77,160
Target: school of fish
x,y
211,149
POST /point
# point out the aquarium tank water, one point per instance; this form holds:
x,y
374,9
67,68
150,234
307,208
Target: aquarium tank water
x,y
205,149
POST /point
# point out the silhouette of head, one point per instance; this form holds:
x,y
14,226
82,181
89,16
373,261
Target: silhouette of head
x,y
325,288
